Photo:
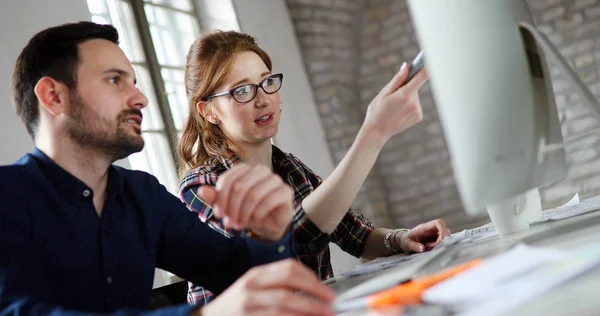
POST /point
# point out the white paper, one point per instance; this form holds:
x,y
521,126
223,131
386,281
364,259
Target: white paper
x,y
572,208
512,278
470,235
400,273
380,264
566,208
586,206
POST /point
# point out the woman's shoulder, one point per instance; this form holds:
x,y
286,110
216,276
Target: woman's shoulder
x,y
207,174
280,155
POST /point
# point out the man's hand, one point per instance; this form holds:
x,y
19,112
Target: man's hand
x,y
253,198
270,290
424,236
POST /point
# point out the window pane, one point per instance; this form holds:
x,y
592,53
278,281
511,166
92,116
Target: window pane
x,y
155,159
175,89
97,7
185,5
128,33
172,34
100,19
120,15
152,117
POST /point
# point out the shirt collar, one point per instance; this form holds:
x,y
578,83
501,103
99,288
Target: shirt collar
x,y
70,187
278,157
227,162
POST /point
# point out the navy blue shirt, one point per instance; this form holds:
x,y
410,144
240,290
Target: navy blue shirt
x,y
58,256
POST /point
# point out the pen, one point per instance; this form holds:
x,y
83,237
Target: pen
x,y
393,278
408,293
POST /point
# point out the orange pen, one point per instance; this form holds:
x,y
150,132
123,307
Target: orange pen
x,y
408,293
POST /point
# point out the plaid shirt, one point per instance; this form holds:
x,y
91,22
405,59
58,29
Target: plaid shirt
x,y
312,245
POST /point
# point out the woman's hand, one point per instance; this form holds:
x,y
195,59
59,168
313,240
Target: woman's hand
x,y
396,107
423,237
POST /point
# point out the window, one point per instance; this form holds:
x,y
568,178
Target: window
x,y
155,35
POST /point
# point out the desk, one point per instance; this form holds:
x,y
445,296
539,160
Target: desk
x,y
574,298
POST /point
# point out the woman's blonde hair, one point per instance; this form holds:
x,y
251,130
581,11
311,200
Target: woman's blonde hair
x,y
208,61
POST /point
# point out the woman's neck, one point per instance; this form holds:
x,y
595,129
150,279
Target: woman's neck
x,y
255,154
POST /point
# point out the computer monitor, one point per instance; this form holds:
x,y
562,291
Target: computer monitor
x,y
491,84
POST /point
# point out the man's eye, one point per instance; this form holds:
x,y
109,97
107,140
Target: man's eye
x,y
113,79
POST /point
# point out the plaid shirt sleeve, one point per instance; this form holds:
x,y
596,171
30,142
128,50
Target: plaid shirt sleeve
x,y
351,234
188,188
308,238
188,193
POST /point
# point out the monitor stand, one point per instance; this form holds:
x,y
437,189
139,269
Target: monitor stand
x,y
515,214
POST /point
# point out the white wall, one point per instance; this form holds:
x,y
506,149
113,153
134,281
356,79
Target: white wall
x,y
19,21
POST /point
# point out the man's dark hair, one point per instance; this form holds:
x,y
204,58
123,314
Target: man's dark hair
x,y
54,53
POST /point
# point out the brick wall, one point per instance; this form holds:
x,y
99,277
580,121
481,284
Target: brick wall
x,y
351,48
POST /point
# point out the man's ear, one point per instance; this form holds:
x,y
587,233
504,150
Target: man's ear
x,y
52,95
206,112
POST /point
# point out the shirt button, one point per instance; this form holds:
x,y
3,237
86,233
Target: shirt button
x,y
109,280
281,248
86,193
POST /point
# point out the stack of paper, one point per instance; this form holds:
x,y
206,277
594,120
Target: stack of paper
x,y
572,208
561,212
508,280
381,264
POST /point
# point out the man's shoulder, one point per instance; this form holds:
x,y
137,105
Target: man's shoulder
x,y
22,170
137,177
20,179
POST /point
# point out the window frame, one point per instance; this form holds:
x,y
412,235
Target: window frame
x,y
135,16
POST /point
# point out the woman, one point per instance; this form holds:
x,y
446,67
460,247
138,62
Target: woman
x,y
234,112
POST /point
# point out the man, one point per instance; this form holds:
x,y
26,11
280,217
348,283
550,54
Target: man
x,y
79,235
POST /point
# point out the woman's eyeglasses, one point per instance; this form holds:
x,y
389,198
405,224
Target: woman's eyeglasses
x,y
247,92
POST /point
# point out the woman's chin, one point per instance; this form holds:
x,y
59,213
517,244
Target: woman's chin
x,y
267,135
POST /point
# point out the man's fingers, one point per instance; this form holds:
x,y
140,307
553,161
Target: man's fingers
x,y
279,198
292,275
253,205
246,188
224,188
285,302
208,194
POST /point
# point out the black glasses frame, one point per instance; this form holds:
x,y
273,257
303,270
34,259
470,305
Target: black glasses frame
x,y
256,86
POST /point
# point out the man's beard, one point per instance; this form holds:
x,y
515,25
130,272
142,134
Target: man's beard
x,y
89,130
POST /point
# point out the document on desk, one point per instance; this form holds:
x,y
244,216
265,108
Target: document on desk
x,y
569,209
380,264
508,280
470,235
560,211
585,206
401,272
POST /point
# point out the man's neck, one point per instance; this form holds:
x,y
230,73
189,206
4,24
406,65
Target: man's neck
x,y
255,154
88,165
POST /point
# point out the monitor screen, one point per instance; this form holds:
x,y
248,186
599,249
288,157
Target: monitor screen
x,y
493,93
